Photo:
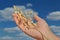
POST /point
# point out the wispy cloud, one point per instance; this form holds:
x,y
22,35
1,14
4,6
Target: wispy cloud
x,y
24,35
29,5
10,38
21,34
12,29
6,13
15,38
55,29
14,34
6,38
54,15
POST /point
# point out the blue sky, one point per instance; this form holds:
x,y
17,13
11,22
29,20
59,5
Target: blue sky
x,y
49,10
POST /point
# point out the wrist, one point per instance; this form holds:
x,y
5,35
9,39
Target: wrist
x,y
51,36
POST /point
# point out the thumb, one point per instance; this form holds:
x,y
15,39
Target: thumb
x,y
37,18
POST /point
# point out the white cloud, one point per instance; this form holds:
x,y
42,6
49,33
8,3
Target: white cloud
x,y
18,36
6,38
15,38
10,38
29,4
30,11
12,29
54,15
21,35
55,29
58,34
6,13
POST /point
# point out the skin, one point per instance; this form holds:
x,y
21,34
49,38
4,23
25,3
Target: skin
x,y
42,26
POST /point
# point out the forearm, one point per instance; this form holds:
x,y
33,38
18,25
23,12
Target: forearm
x,y
51,39
51,36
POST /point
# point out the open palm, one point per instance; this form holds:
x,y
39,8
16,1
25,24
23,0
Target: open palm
x,y
33,32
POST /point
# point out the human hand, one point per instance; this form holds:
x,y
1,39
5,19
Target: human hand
x,y
42,26
31,32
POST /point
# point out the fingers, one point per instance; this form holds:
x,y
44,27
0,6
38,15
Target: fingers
x,y
15,17
19,22
37,18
